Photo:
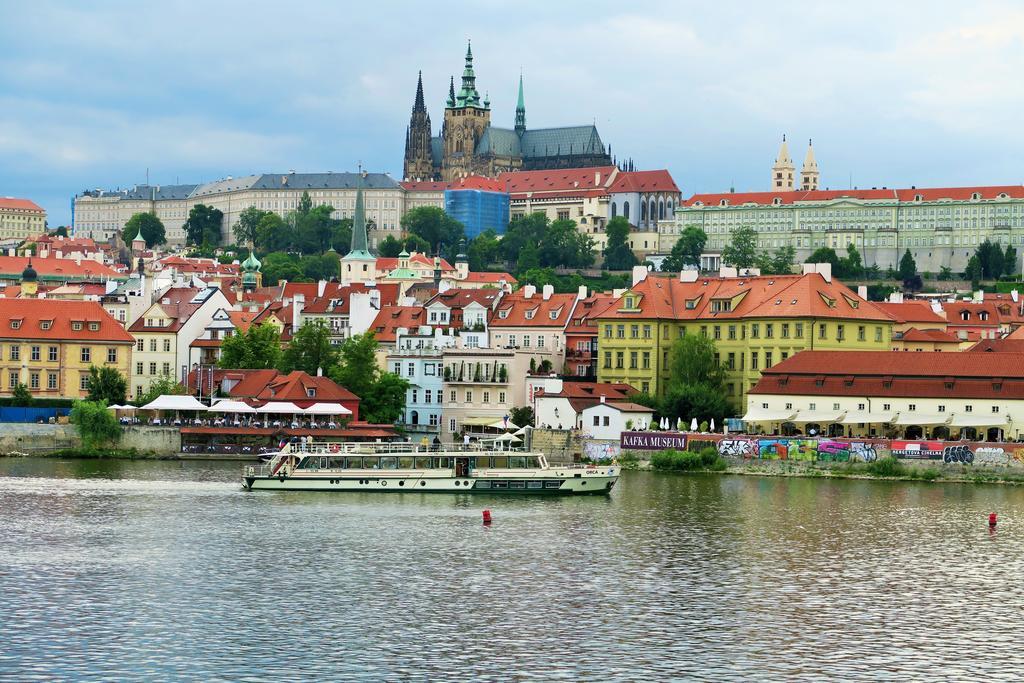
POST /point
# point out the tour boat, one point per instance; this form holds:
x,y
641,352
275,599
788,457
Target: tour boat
x,y
390,467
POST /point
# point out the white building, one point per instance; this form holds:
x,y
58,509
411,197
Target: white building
x,y
607,421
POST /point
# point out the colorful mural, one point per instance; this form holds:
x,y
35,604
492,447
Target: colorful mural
x,y
597,451
801,449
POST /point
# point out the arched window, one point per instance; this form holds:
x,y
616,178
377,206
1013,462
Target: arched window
x,y
661,209
643,211
614,210
625,210
415,417
653,211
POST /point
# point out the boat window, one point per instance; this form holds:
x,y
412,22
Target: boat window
x,y
517,461
535,484
423,463
444,463
371,463
552,484
517,484
500,461
482,462
353,463
483,485
405,463
499,484
336,463
308,464
534,463
389,462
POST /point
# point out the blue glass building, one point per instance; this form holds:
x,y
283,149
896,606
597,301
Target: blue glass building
x,y
477,209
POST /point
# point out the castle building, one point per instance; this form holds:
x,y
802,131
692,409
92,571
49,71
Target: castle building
x,y
470,145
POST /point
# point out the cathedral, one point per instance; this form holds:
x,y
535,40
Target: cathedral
x,y
470,145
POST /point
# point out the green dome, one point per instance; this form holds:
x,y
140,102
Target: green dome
x,y
251,264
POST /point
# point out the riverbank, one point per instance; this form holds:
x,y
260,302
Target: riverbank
x,y
888,468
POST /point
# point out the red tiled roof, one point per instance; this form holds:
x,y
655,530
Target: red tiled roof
x,y
1009,344
338,299
424,185
594,390
460,298
490,278
644,181
558,181
387,263
252,382
31,313
20,204
936,336
476,182
765,296
903,195
175,303
955,310
55,268
583,320
242,320
513,308
390,318
295,385
911,312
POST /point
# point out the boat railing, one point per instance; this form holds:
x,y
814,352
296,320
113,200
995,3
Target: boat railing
x,y
389,448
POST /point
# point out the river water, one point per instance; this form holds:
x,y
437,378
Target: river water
x,y
169,571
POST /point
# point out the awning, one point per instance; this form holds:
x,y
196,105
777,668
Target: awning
x,y
478,421
864,417
279,407
923,419
327,409
819,416
763,415
971,420
228,406
174,402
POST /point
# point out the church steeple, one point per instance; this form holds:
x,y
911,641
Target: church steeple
x,y
418,104
521,109
359,265
809,173
418,160
468,96
359,239
783,170
451,93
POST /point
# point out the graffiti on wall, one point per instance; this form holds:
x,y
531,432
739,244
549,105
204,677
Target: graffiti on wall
x,y
596,451
797,448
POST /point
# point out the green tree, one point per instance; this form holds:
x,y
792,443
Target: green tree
x,y
435,226
272,233
522,232
389,247
974,271
618,255
382,394
484,250
562,245
693,361
522,416
687,249
538,277
61,231
305,203
1010,260
696,387
310,350
151,226
108,385
320,267
162,386
699,401
779,262
741,251
315,230
97,426
281,266
258,347
528,260
826,255
852,266
908,267
203,225
246,229
21,395
990,258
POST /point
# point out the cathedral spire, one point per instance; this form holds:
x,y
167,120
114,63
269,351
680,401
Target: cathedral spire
x,y
419,105
451,93
783,170
521,109
359,239
468,96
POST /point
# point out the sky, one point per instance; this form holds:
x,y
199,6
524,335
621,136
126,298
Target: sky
x,y
98,94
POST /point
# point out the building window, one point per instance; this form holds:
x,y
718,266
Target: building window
x,y
732,332
427,395
94,327
798,329
35,353
167,345
411,369
112,354
769,331
768,359
13,377
607,360
753,360
618,359
878,334
140,345
607,331
755,331
620,331
995,409
53,354
812,406
33,380
822,331
501,397
152,369
647,331
942,409
83,382
912,407
861,333
139,369
731,362
469,397
487,397
969,409
51,380
166,367
152,345
647,360
15,353
77,327
840,332
717,332
451,425
86,354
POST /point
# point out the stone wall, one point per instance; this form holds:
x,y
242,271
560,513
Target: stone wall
x,y
16,437
159,440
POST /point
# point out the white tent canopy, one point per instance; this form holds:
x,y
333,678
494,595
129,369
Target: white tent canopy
x,y
117,407
971,420
327,409
865,417
279,407
229,406
174,402
500,424
819,416
922,419
511,438
763,415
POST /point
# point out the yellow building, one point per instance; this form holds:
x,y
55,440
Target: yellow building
x,y
20,218
50,345
755,322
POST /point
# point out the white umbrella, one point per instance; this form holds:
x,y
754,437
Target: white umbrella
x,y
228,406
664,423
511,438
502,424
693,425
327,409
521,431
279,407
712,424
174,402
679,424
115,407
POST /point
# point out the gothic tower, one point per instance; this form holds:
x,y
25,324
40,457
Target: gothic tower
x,y
783,170
809,174
418,162
520,110
466,118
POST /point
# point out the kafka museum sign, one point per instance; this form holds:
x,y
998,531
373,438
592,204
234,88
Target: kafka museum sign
x,y
652,441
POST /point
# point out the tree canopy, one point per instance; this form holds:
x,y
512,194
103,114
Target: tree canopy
x,y
687,250
152,229
96,425
435,227
992,260
390,246
108,385
258,347
617,254
908,267
484,250
246,229
161,386
203,225
535,242
696,386
778,262
741,251
310,350
382,394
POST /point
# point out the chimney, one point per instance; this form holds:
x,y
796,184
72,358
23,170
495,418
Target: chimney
x,y
688,275
727,271
862,291
529,291
640,274
1014,295
547,291
581,293
321,286
602,398
597,179
298,303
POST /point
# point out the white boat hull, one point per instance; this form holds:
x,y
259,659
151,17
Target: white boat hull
x,y
596,481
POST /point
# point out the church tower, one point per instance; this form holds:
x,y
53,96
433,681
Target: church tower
x,y
466,117
520,110
783,170
418,162
359,265
809,174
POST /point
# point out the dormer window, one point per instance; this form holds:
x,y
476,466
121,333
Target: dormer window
x,y
723,202
311,392
776,202
721,305
46,324
16,324
983,315
965,315
553,315
76,326
976,196
503,313
530,314
918,197
94,327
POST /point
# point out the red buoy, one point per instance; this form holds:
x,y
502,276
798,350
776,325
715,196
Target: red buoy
x,y
992,519
487,516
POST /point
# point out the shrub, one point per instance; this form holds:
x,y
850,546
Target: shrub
x,y
685,461
21,396
887,467
95,424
